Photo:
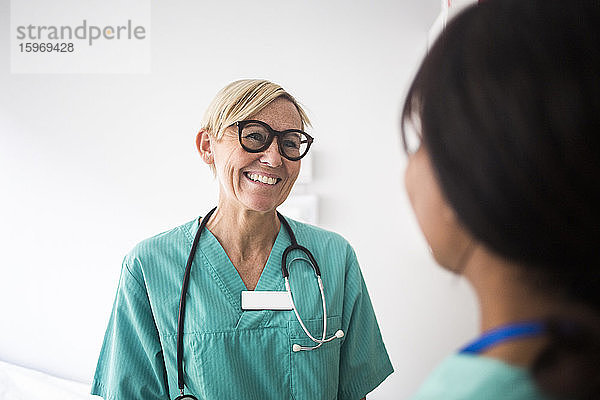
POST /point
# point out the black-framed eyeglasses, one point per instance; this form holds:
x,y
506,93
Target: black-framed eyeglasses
x,y
256,136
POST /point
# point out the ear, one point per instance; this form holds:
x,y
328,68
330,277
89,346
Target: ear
x,y
204,145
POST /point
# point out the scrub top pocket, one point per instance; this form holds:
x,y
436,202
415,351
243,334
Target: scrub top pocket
x,y
315,373
240,364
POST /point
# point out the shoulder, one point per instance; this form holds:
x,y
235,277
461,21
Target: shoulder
x,y
326,242
317,235
462,376
160,250
163,241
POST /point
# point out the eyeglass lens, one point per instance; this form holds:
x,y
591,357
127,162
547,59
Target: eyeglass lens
x,y
255,137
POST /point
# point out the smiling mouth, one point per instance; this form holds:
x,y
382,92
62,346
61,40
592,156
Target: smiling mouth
x,y
262,179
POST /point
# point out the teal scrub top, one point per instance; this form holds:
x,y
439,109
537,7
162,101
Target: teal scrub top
x,y
466,377
235,354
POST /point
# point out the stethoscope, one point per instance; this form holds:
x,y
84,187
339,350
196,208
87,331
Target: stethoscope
x,y
284,269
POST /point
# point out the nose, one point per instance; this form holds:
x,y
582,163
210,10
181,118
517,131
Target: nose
x,y
271,155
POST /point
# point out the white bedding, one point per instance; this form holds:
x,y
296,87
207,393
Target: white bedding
x,y
19,383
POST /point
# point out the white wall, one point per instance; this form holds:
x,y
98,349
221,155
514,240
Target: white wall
x,y
90,164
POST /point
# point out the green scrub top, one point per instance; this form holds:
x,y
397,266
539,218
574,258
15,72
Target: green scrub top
x,y
235,354
467,376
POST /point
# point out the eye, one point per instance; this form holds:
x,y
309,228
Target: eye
x,y
255,136
292,144
292,140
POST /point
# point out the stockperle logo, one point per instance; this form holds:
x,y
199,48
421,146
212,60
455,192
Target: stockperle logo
x,y
85,31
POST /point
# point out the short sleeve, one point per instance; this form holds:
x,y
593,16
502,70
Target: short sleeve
x,y
131,364
364,362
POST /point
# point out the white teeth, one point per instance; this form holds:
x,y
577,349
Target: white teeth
x,y
263,179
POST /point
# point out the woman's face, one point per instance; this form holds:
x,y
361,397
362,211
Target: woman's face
x,y
257,181
448,240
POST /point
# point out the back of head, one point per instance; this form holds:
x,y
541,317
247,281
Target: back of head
x,y
508,102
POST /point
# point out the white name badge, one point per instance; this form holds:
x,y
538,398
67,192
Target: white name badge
x,y
253,300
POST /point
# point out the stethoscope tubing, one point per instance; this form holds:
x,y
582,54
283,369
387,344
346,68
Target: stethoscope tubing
x,y
324,338
182,300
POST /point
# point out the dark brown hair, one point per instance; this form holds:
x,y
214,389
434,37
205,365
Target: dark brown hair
x,y
508,104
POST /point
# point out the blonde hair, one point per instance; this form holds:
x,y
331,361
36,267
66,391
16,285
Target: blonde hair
x,y
242,99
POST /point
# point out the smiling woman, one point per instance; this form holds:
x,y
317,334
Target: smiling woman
x,y
321,342
260,178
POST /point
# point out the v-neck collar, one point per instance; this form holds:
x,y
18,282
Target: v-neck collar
x,y
223,270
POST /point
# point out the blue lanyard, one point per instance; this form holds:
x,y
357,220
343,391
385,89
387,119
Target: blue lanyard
x,y
502,334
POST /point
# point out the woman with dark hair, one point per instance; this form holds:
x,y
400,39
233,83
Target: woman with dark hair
x,y
505,186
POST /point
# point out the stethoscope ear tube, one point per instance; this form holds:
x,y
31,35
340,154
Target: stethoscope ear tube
x,y
181,317
294,246
338,334
288,250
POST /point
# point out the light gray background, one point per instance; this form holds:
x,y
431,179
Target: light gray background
x,y
90,164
